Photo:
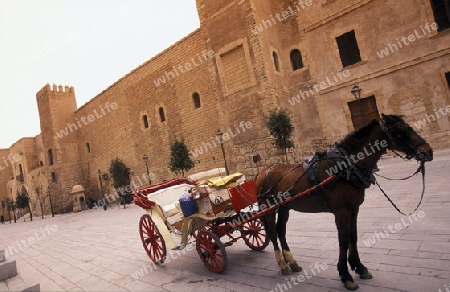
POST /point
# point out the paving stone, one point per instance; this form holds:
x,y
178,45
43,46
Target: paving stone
x,y
142,286
398,244
443,247
443,265
387,259
416,254
399,269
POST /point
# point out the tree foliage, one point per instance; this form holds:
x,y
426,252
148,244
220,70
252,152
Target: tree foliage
x,y
11,204
40,198
119,172
22,201
280,127
179,158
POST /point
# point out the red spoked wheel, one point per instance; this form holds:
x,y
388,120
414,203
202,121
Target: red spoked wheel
x,y
254,234
153,242
211,251
196,232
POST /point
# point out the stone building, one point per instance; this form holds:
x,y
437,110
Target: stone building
x,y
247,57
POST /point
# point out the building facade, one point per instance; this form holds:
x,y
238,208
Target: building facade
x,y
247,57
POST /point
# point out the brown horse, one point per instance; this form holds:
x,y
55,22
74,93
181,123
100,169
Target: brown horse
x,y
353,161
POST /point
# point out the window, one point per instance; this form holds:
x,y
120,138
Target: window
x,y
441,12
21,173
50,157
348,49
88,147
145,121
162,116
276,62
447,77
41,163
196,99
296,59
53,176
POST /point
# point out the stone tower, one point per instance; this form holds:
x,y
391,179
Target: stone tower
x,y
59,129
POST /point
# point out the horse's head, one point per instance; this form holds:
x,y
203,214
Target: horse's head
x,y
403,138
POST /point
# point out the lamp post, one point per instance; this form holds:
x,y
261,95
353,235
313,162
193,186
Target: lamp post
x,y
145,158
101,189
219,136
3,211
29,206
356,91
50,199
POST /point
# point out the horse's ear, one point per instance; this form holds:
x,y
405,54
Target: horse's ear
x,y
384,118
388,119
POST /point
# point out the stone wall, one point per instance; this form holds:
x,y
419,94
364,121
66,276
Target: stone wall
x,y
224,76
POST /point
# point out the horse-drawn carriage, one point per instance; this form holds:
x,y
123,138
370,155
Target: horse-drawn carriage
x,y
214,211
210,215
277,190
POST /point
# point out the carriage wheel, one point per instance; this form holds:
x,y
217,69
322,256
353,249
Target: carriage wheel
x,y
254,234
211,251
153,242
196,232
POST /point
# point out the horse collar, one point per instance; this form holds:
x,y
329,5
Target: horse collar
x,y
352,174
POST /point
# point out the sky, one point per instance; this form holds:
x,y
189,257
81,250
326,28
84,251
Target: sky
x,y
85,44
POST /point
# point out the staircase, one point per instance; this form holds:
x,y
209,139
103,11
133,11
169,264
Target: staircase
x,y
10,279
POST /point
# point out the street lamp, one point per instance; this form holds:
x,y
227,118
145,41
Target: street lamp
x,y
145,158
3,211
356,91
219,136
50,199
29,206
101,189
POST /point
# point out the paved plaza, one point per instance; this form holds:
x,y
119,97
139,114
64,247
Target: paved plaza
x,y
99,250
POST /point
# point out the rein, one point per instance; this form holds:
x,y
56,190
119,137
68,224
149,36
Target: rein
x,y
420,169
386,129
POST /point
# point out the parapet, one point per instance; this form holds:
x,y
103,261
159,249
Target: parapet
x,y
55,88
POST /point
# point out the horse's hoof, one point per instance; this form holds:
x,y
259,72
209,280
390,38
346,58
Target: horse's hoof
x,y
350,285
366,275
286,272
295,268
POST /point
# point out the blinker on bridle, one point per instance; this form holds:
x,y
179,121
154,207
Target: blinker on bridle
x,y
413,151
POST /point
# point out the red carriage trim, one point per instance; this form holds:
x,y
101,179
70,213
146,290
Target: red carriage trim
x,y
142,201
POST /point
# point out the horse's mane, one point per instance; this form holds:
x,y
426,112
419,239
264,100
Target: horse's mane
x,y
356,136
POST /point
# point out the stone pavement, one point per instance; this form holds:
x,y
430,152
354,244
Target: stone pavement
x,y
99,250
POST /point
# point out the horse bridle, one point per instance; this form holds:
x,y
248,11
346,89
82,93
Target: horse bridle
x,y
411,151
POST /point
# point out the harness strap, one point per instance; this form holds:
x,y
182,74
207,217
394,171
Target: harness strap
x,y
278,181
422,170
353,167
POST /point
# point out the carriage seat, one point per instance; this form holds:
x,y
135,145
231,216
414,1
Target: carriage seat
x,y
167,200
